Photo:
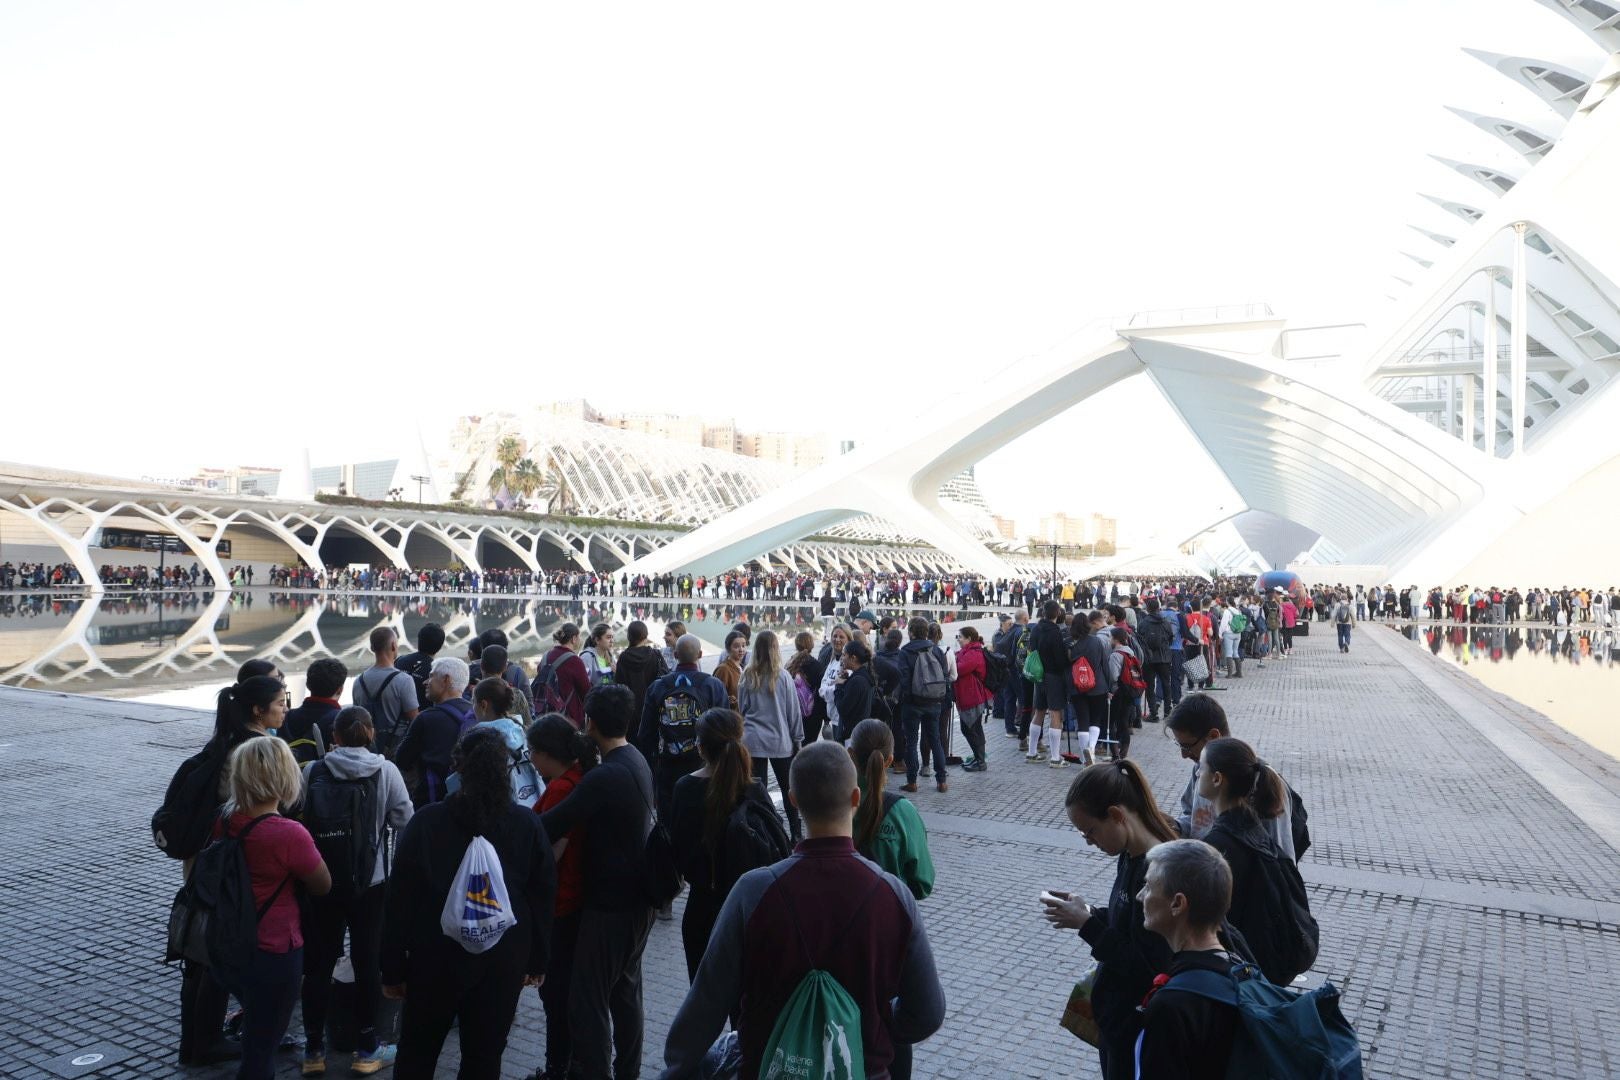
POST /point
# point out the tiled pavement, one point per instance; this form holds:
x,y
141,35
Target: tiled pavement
x,y
1468,913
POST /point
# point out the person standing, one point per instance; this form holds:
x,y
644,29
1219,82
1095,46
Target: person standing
x,y
1051,691
729,670
822,908
1112,806
281,857
440,982
351,905
700,813
614,804
425,751
773,730
386,693
639,665
563,755
1343,621
972,696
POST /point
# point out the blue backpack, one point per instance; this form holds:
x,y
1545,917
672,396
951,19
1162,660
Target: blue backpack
x,y
1283,1035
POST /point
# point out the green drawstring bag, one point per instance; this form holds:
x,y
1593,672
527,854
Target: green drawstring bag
x,y
818,1033
1034,670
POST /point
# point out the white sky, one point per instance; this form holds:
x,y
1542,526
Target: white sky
x,y
231,230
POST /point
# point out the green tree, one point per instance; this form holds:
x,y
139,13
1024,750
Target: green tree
x,y
508,452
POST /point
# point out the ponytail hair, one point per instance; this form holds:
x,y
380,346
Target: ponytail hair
x,y
495,692
1122,784
1258,785
235,705
871,746
731,770
555,736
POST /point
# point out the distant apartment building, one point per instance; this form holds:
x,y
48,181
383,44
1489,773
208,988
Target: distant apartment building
x,y
1079,530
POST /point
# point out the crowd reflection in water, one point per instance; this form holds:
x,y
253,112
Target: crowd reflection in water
x,y
1494,644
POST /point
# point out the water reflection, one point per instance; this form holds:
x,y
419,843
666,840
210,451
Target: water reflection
x,y
180,647
1569,673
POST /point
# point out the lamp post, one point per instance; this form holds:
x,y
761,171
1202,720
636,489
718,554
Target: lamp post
x,y
420,480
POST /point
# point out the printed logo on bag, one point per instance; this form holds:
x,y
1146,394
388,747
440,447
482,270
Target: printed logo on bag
x,y
837,1060
481,899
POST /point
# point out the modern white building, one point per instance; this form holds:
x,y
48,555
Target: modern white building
x,y
1475,437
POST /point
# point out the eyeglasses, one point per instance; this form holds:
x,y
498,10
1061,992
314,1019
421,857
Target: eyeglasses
x,y
1170,734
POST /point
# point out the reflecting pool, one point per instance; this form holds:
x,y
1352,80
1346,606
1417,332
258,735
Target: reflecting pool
x,y
180,649
1572,674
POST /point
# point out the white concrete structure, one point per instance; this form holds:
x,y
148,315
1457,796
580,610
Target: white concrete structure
x,y
1433,453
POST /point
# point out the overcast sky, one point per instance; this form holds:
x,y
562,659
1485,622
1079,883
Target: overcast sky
x,y
230,230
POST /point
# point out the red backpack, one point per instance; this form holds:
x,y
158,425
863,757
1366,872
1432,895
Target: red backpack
x,y
1130,673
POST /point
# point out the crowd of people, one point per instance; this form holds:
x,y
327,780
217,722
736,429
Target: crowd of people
x,y
1490,605
583,795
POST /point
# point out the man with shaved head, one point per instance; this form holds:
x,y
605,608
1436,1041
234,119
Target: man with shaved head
x,y
667,732
822,908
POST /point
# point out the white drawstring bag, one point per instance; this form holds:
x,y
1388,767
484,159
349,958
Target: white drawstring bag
x,y
478,909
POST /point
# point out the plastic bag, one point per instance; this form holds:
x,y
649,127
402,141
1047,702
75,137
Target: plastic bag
x,y
478,909
1078,1018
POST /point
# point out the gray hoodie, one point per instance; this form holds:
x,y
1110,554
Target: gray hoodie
x,y
393,801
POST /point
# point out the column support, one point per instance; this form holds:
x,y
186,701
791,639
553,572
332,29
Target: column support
x,y
1489,416
1518,362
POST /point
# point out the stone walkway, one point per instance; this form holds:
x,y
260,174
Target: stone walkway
x,y
1464,869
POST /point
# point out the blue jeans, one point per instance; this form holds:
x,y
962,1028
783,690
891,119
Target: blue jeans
x,y
1178,676
1344,635
922,721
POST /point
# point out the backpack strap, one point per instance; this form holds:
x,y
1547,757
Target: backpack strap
x,y
1206,984
854,913
241,838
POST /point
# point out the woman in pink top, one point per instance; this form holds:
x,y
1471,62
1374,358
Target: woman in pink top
x,y
1290,619
281,856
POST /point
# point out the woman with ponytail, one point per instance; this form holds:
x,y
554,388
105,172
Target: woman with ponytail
x,y
700,811
888,829
1113,807
890,832
563,755
1269,903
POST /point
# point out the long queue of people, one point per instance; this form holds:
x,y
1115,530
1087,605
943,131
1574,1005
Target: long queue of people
x,y
473,831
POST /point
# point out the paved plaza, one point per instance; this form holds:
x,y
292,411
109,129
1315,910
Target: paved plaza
x,y
1464,869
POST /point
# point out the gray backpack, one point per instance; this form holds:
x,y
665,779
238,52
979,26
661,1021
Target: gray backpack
x,y
928,682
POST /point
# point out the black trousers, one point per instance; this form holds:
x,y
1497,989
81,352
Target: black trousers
x,y
480,999
554,994
324,922
780,766
268,997
667,770
202,1010
697,923
604,994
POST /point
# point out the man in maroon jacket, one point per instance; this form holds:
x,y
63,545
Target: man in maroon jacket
x,y
824,907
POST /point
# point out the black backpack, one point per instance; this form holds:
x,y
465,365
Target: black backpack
x,y
190,803
341,815
213,920
1297,826
996,670
1290,938
418,668
754,838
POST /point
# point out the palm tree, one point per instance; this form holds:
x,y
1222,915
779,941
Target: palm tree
x,y
554,486
507,454
526,478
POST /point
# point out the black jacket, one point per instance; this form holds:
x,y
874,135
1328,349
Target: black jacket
x,y
424,753
415,949
1046,638
1186,1036
638,667
908,660
1269,904
614,803
1096,654
854,700
1156,634
1129,953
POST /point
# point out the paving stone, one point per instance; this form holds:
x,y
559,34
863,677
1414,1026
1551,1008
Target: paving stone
x,y
1447,875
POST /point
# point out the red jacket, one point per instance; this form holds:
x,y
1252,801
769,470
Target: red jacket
x,y
970,688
